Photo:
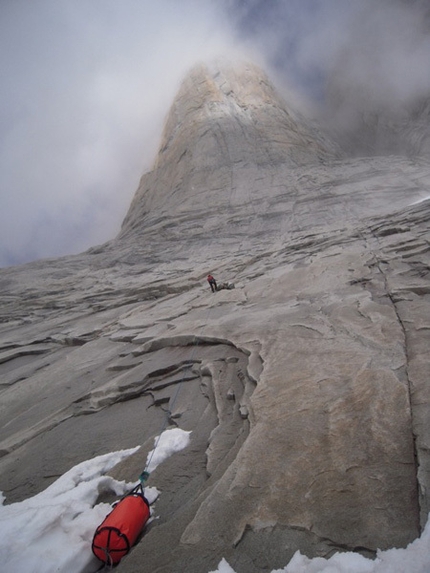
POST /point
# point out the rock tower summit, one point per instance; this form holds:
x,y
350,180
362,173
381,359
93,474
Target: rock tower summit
x,y
227,127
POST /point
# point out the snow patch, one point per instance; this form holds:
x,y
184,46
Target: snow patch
x,y
415,558
52,531
165,445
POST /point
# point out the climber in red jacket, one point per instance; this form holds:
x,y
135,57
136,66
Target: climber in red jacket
x,y
212,283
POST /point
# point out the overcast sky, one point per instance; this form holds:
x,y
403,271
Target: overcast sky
x,y
86,85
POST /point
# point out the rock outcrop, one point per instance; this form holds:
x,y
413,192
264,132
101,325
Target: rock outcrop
x,y
306,387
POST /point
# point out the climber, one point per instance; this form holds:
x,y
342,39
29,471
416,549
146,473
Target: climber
x,y
212,283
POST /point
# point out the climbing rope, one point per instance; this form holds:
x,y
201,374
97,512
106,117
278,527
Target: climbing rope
x,y
145,473
143,477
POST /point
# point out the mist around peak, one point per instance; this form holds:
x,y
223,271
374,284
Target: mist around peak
x,y
86,89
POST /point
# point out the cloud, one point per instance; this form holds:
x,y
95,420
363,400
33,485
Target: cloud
x,y
365,64
86,87
378,84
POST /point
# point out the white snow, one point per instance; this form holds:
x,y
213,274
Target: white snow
x,y
415,558
165,445
223,567
53,530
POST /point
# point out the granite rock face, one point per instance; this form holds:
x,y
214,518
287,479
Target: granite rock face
x,y
306,387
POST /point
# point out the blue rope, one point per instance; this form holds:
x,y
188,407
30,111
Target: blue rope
x,y
145,474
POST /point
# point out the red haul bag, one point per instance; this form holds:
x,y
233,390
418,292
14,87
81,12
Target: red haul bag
x,y
115,536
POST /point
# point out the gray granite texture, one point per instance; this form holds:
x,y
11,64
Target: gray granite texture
x,y
306,387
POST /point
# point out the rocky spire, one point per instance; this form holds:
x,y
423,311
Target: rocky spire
x,y
225,121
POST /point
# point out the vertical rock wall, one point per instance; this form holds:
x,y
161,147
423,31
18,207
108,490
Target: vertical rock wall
x,y
305,387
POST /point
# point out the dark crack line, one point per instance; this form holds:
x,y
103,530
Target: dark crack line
x,y
392,299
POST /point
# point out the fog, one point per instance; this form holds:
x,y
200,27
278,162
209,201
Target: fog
x,y
86,86
365,64
85,89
